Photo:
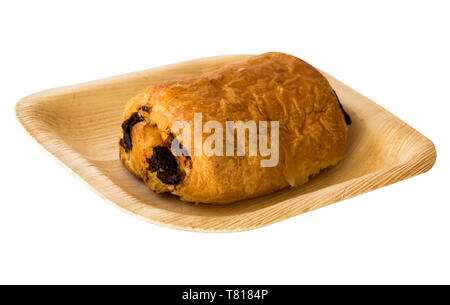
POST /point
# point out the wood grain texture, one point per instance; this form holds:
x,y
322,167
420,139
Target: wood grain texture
x,y
79,125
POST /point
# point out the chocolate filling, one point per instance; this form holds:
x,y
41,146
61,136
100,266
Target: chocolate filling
x,y
145,108
127,127
187,158
165,165
347,118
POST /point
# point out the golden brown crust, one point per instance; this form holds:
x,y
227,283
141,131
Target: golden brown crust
x,y
268,87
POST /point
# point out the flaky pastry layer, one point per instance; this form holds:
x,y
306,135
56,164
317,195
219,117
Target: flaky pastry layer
x,y
268,87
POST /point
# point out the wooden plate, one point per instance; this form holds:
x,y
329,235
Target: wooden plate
x,y
80,126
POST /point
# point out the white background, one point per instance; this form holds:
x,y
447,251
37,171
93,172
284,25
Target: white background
x,y
55,230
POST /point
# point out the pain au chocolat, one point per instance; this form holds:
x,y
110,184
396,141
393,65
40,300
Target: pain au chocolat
x,y
272,88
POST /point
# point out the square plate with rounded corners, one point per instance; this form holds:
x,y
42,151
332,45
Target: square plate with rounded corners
x,y
79,125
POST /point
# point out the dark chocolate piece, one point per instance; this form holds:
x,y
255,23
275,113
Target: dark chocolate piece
x,y
127,127
347,118
187,157
165,165
145,108
170,138
188,161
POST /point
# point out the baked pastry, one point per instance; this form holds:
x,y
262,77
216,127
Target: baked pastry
x,y
272,87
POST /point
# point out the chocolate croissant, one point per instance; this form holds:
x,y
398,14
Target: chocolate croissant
x,y
244,130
